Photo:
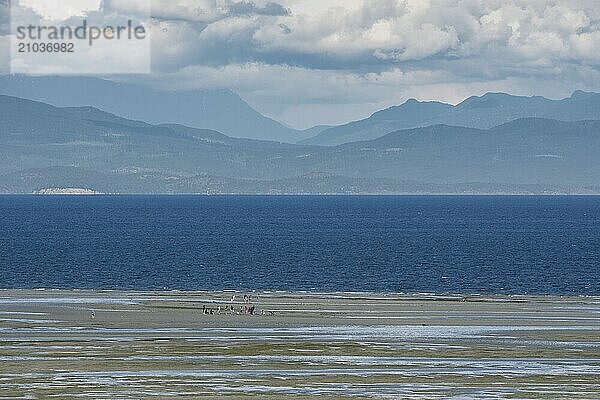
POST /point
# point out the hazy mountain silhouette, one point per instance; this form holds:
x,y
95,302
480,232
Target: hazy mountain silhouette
x,y
408,115
482,112
220,110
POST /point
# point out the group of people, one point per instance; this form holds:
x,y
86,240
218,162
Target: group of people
x,y
245,308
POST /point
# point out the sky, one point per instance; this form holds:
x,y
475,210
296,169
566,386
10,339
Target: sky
x,y
310,62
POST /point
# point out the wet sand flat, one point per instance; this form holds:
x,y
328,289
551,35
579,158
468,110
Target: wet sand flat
x,y
155,345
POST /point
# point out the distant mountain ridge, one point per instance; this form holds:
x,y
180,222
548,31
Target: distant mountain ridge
x,y
224,111
487,111
220,110
45,148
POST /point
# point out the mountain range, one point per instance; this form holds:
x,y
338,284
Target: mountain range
x,y
226,112
221,110
487,111
47,147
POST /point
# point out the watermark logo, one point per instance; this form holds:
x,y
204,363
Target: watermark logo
x,y
79,37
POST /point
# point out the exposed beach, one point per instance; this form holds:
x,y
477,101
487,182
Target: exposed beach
x,y
150,345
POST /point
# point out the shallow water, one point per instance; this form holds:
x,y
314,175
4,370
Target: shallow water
x,y
161,346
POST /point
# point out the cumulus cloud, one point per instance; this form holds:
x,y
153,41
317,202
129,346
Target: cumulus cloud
x,y
468,40
380,33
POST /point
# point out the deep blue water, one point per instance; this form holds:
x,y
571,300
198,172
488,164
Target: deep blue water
x,y
541,245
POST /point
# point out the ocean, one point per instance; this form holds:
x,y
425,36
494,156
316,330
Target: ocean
x,y
547,245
